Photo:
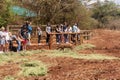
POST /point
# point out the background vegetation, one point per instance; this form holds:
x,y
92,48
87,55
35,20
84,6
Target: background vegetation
x,y
96,15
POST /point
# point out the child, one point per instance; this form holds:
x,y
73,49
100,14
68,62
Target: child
x,y
2,39
39,31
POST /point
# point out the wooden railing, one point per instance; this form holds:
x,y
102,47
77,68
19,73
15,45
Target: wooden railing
x,y
79,37
83,35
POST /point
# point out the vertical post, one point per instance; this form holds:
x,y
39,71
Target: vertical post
x,y
78,36
69,35
81,38
75,38
62,37
51,41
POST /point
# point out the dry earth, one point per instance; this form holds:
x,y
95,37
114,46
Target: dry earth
x,y
106,41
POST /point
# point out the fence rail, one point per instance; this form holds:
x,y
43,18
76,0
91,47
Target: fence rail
x,y
79,37
84,34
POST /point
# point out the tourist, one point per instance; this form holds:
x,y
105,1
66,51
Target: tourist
x,y
68,30
64,30
39,31
48,30
23,34
18,41
74,30
2,39
58,36
62,35
29,31
7,38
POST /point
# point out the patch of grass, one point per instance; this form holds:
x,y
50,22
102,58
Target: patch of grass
x,y
4,58
69,53
22,60
28,53
9,78
84,46
33,68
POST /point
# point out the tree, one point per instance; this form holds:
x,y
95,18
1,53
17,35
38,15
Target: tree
x,y
105,12
58,11
5,15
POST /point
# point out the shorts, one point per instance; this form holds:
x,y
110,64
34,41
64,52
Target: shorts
x,y
24,42
29,35
2,42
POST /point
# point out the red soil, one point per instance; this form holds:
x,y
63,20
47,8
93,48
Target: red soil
x,y
106,42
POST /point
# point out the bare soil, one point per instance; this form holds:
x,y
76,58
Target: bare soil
x,y
63,68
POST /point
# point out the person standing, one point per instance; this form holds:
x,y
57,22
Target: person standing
x,y
74,30
2,39
39,31
23,35
58,36
29,31
48,30
64,30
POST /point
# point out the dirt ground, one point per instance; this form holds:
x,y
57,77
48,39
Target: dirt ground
x,y
63,68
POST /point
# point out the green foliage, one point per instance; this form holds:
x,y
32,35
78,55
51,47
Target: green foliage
x,y
2,22
70,11
9,78
5,14
33,68
105,12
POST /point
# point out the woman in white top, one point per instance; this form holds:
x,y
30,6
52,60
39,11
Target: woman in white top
x,y
39,31
2,39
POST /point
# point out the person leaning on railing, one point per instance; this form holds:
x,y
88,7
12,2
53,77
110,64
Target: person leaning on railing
x,y
39,32
48,30
58,36
75,29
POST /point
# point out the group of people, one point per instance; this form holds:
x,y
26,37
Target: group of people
x,y
62,28
23,37
15,42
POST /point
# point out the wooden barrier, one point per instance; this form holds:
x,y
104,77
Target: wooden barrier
x,y
77,41
79,37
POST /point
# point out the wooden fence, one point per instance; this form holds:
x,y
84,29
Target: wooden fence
x,y
83,35
78,38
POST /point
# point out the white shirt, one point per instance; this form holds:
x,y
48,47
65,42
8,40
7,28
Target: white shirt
x,y
7,36
2,35
75,28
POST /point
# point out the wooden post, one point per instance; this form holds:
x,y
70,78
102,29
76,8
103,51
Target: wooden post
x,y
51,41
81,38
75,38
69,35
